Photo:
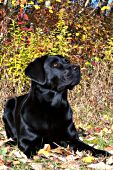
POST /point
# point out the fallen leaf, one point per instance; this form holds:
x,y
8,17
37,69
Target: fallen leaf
x,y
109,149
77,34
105,8
17,154
47,147
61,150
70,165
106,117
4,168
3,132
24,160
51,11
92,140
112,127
16,162
1,160
36,166
26,17
43,152
105,130
37,6
89,127
88,159
110,161
72,157
100,166
1,142
98,130
58,0
3,151
80,154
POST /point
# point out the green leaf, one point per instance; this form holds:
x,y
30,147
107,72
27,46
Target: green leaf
x,y
3,151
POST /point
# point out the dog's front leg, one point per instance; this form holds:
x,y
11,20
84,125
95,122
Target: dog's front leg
x,y
81,146
28,140
76,143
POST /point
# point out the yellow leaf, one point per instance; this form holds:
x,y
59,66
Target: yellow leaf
x,y
59,37
96,59
106,117
112,127
92,140
84,28
37,6
51,11
105,8
22,5
105,130
75,46
89,126
13,2
31,3
43,152
16,162
77,34
84,37
88,159
58,0
40,1
87,63
50,7
78,25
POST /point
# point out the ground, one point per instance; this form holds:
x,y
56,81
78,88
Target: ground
x,y
96,130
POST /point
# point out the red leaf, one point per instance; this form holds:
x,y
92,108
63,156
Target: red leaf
x,y
98,130
26,29
20,22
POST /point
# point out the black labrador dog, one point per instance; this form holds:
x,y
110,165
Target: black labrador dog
x,y
44,114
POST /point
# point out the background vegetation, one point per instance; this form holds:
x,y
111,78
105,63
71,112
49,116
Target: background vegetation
x,y
74,29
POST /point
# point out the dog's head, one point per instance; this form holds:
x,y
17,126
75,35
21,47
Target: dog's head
x,y
54,72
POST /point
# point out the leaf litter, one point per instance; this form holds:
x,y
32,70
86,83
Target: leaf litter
x,y
48,159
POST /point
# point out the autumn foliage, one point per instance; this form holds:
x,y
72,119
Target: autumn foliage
x,y
29,29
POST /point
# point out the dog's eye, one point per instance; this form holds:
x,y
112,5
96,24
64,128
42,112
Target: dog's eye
x,y
56,65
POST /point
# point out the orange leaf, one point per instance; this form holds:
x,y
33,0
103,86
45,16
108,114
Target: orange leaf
x,y
109,148
23,2
26,17
47,147
1,160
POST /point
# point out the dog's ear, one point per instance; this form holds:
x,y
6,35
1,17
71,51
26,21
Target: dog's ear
x,y
35,70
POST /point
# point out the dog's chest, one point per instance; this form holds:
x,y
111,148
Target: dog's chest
x,y
47,122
